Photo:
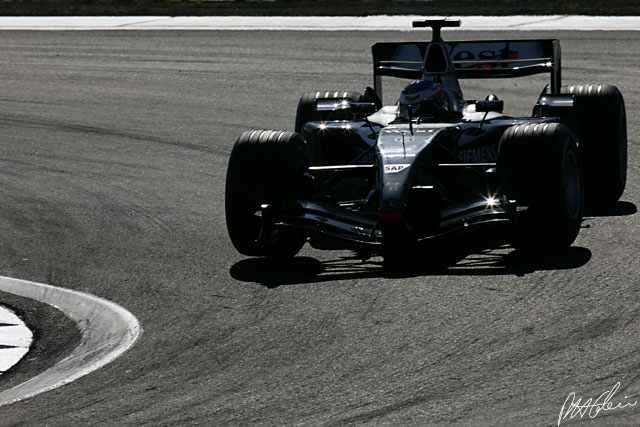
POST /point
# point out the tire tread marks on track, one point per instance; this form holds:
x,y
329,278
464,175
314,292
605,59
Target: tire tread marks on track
x,y
76,127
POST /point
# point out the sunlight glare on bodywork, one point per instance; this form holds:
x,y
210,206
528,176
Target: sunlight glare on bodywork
x,y
491,201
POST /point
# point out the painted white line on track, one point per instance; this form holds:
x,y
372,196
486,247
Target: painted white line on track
x,y
15,339
317,23
107,330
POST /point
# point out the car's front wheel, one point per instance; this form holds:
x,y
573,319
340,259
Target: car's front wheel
x,y
539,168
263,169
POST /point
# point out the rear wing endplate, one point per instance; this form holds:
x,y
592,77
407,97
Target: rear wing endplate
x,y
471,60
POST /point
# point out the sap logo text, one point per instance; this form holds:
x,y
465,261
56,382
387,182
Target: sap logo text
x,y
394,168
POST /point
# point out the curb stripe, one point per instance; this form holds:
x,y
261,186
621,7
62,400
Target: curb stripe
x,y
15,339
107,331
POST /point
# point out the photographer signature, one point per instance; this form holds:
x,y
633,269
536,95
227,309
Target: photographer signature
x,y
573,407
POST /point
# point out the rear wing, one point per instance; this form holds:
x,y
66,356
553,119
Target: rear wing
x,y
471,60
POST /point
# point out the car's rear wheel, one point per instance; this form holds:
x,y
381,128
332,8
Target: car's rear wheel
x,y
307,107
602,140
539,167
263,169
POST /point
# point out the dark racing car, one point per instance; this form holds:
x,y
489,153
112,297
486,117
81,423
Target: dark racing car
x,y
357,174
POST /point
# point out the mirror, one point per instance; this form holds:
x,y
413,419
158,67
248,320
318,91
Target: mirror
x,y
496,105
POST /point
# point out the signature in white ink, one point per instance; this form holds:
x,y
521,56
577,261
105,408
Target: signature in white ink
x,y
573,407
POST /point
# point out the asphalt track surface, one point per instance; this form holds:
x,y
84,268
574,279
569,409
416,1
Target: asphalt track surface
x,y
112,173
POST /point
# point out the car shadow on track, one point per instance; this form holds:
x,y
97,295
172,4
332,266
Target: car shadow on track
x,y
449,260
615,209
478,254
306,270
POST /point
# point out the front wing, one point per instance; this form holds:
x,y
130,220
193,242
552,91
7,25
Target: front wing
x,y
352,229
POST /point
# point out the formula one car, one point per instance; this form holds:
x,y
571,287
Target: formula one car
x,y
357,174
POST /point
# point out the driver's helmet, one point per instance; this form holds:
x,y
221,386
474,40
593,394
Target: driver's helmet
x,y
422,98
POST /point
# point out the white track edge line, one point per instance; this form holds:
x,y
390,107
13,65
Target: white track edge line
x,y
318,23
107,329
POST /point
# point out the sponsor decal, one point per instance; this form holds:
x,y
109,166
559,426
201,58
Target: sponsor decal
x,y
393,186
484,154
501,52
395,168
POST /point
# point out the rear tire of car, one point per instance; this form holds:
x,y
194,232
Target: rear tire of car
x,y
539,167
602,140
307,107
263,169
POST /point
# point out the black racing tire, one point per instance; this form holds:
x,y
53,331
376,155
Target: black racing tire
x,y
602,140
307,107
539,167
262,169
